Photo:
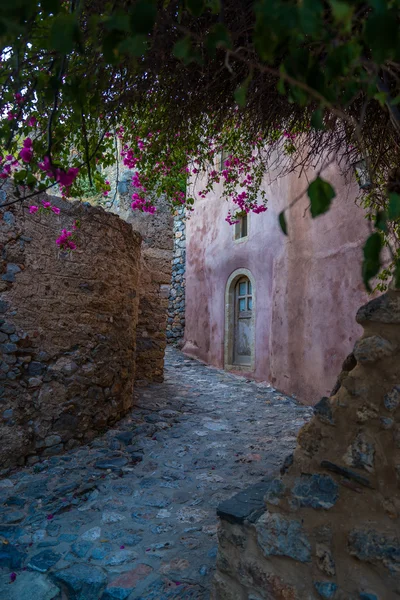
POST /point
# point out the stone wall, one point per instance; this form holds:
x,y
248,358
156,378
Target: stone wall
x,y
67,329
155,279
176,302
328,526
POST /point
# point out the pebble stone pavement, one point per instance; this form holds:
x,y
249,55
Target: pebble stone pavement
x,y
132,515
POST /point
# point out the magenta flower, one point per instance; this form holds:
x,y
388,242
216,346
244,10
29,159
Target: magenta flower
x,y
67,178
13,577
55,210
50,517
47,167
26,154
64,242
32,121
46,204
33,209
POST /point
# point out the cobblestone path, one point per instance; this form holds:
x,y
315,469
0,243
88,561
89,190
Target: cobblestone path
x,y
133,514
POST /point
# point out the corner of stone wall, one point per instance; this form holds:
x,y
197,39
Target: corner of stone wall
x,y
67,328
330,524
155,277
176,303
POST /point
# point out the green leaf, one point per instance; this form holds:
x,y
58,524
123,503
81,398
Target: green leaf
x,y
196,7
342,12
397,274
394,206
64,33
135,45
381,221
214,6
317,119
240,95
282,222
110,46
372,263
143,16
118,21
281,85
381,98
51,6
381,35
19,176
218,36
184,50
310,16
321,194
241,92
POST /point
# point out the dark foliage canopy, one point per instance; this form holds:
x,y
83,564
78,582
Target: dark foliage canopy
x,y
320,78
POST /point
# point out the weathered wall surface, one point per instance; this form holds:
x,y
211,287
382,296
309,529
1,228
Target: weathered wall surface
x,y
155,280
67,329
176,302
329,527
308,285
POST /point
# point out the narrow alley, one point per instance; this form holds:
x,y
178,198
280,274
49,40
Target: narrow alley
x,y
133,514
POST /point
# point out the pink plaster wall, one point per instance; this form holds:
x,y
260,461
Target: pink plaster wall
x,y
308,285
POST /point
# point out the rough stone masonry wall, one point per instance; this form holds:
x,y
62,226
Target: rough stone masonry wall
x,y
155,279
67,329
176,302
329,526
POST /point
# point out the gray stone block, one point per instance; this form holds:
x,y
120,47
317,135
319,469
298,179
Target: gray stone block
x,y
246,505
315,491
281,536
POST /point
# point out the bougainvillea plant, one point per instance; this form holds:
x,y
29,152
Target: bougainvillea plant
x,y
178,82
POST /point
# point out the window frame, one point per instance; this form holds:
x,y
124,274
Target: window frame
x,y
238,236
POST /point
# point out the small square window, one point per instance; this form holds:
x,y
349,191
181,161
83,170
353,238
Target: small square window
x,y
241,227
249,303
242,304
222,157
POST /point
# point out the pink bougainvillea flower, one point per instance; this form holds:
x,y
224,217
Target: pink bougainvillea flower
x,y
46,204
50,517
28,142
55,210
33,209
64,242
13,577
18,97
26,154
47,167
67,178
122,547
32,121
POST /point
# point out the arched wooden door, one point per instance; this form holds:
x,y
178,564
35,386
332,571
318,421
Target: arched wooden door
x,y
243,323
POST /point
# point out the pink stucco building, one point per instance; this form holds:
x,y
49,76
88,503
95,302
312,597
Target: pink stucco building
x,y
275,308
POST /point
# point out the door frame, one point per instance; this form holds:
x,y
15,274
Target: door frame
x,y
229,333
